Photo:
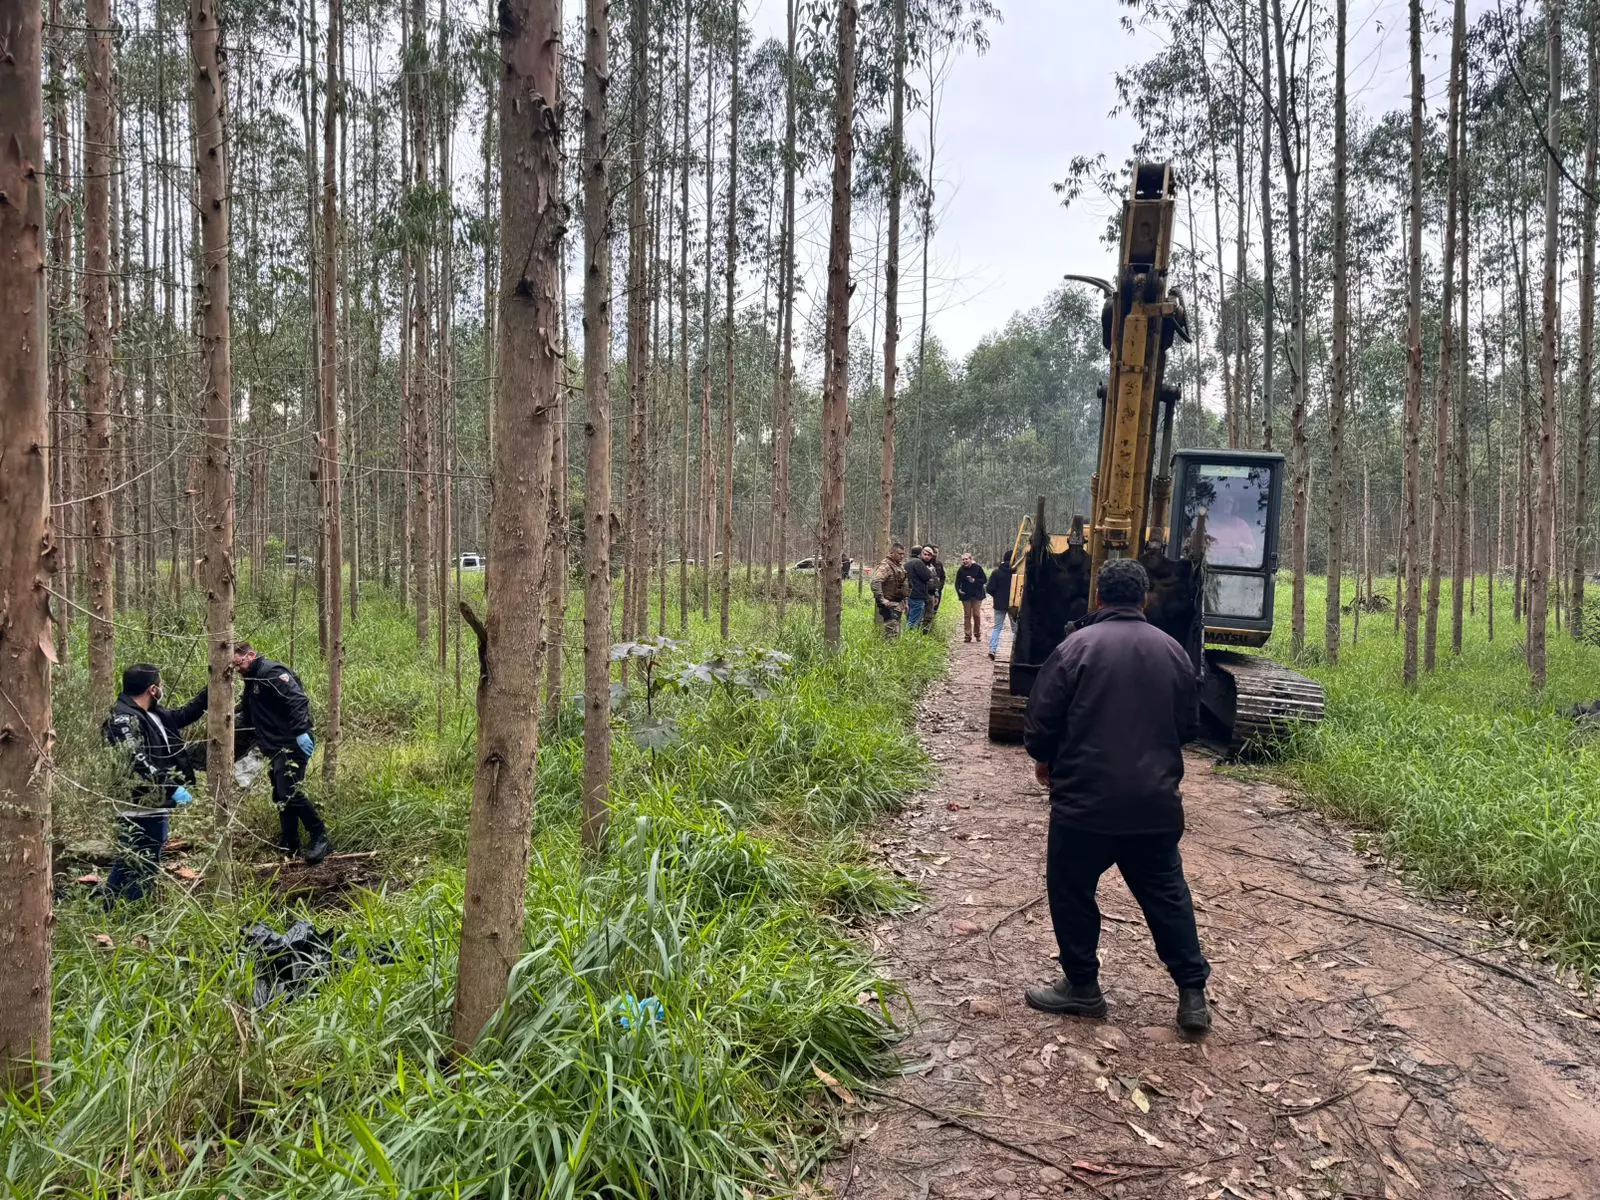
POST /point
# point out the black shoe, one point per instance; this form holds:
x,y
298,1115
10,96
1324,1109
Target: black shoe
x,y
320,849
1068,999
1193,1014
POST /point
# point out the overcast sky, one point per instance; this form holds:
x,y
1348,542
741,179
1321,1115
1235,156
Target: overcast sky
x,y
1011,120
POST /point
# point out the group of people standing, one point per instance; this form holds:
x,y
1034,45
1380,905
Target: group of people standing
x,y
908,589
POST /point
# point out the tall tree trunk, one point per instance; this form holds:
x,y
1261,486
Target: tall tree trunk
x,y
1539,572
783,411
1438,533
422,400
685,551
597,427
500,828
730,269
635,564
703,518
836,386
1340,388
1464,540
1586,283
27,559
97,136
1268,255
891,285
1411,543
332,499
211,167
1288,122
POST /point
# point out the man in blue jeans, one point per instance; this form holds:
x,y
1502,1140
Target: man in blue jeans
x,y
919,571
999,590
1107,719
162,767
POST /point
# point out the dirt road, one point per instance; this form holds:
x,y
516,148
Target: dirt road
x,y
1406,1054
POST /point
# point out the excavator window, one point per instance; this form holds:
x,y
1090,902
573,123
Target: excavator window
x,y
1237,493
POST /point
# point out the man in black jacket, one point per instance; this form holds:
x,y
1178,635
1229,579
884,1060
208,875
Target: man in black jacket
x,y
1107,719
1000,592
970,581
919,576
161,767
275,716
935,587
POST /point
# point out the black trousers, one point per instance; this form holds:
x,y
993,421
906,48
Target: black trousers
x,y
140,836
287,768
1153,870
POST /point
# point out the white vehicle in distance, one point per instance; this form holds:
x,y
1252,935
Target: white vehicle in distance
x,y
473,562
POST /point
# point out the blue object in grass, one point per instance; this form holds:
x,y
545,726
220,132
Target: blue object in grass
x,y
646,1012
181,797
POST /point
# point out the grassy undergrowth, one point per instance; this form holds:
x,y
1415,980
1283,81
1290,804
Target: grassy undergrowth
x,y
1477,783
733,873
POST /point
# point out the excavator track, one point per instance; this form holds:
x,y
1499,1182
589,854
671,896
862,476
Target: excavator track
x,y
1006,711
1257,703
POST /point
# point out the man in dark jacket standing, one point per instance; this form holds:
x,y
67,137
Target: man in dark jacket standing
x,y
919,577
1000,592
935,587
970,581
275,716
162,768
1107,719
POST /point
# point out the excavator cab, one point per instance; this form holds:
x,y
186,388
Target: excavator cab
x,y
1231,499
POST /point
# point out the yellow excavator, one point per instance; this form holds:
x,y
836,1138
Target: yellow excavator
x,y
1212,556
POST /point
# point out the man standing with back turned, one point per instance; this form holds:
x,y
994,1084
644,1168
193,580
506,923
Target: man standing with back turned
x,y
1107,719
275,716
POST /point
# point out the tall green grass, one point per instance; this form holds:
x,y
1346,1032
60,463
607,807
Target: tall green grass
x,y
1475,782
733,873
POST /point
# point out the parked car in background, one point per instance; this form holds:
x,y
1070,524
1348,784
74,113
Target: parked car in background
x,y
473,562
808,566
298,562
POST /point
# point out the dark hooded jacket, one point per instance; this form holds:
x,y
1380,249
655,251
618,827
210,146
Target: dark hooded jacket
x,y
273,710
1000,586
1109,714
152,740
920,575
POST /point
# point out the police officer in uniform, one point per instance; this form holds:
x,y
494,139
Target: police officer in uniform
x,y
275,717
162,766
890,588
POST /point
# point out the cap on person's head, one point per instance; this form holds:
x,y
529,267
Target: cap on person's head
x,y
139,678
1123,581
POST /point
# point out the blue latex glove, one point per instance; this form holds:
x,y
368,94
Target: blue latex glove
x,y
643,1012
181,797
306,744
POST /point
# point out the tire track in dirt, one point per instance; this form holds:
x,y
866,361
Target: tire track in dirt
x,y
1348,1058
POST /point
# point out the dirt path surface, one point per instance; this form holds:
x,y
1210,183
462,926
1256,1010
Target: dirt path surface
x,y
1406,1054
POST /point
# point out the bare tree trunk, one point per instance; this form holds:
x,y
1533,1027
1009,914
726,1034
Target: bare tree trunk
x,y
635,564
1288,122
1586,285
211,167
783,418
685,552
836,387
27,559
891,286
1539,572
703,518
332,499
1438,533
730,405
421,403
97,136
597,428
512,643
1268,255
1411,543
1464,536
1341,343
